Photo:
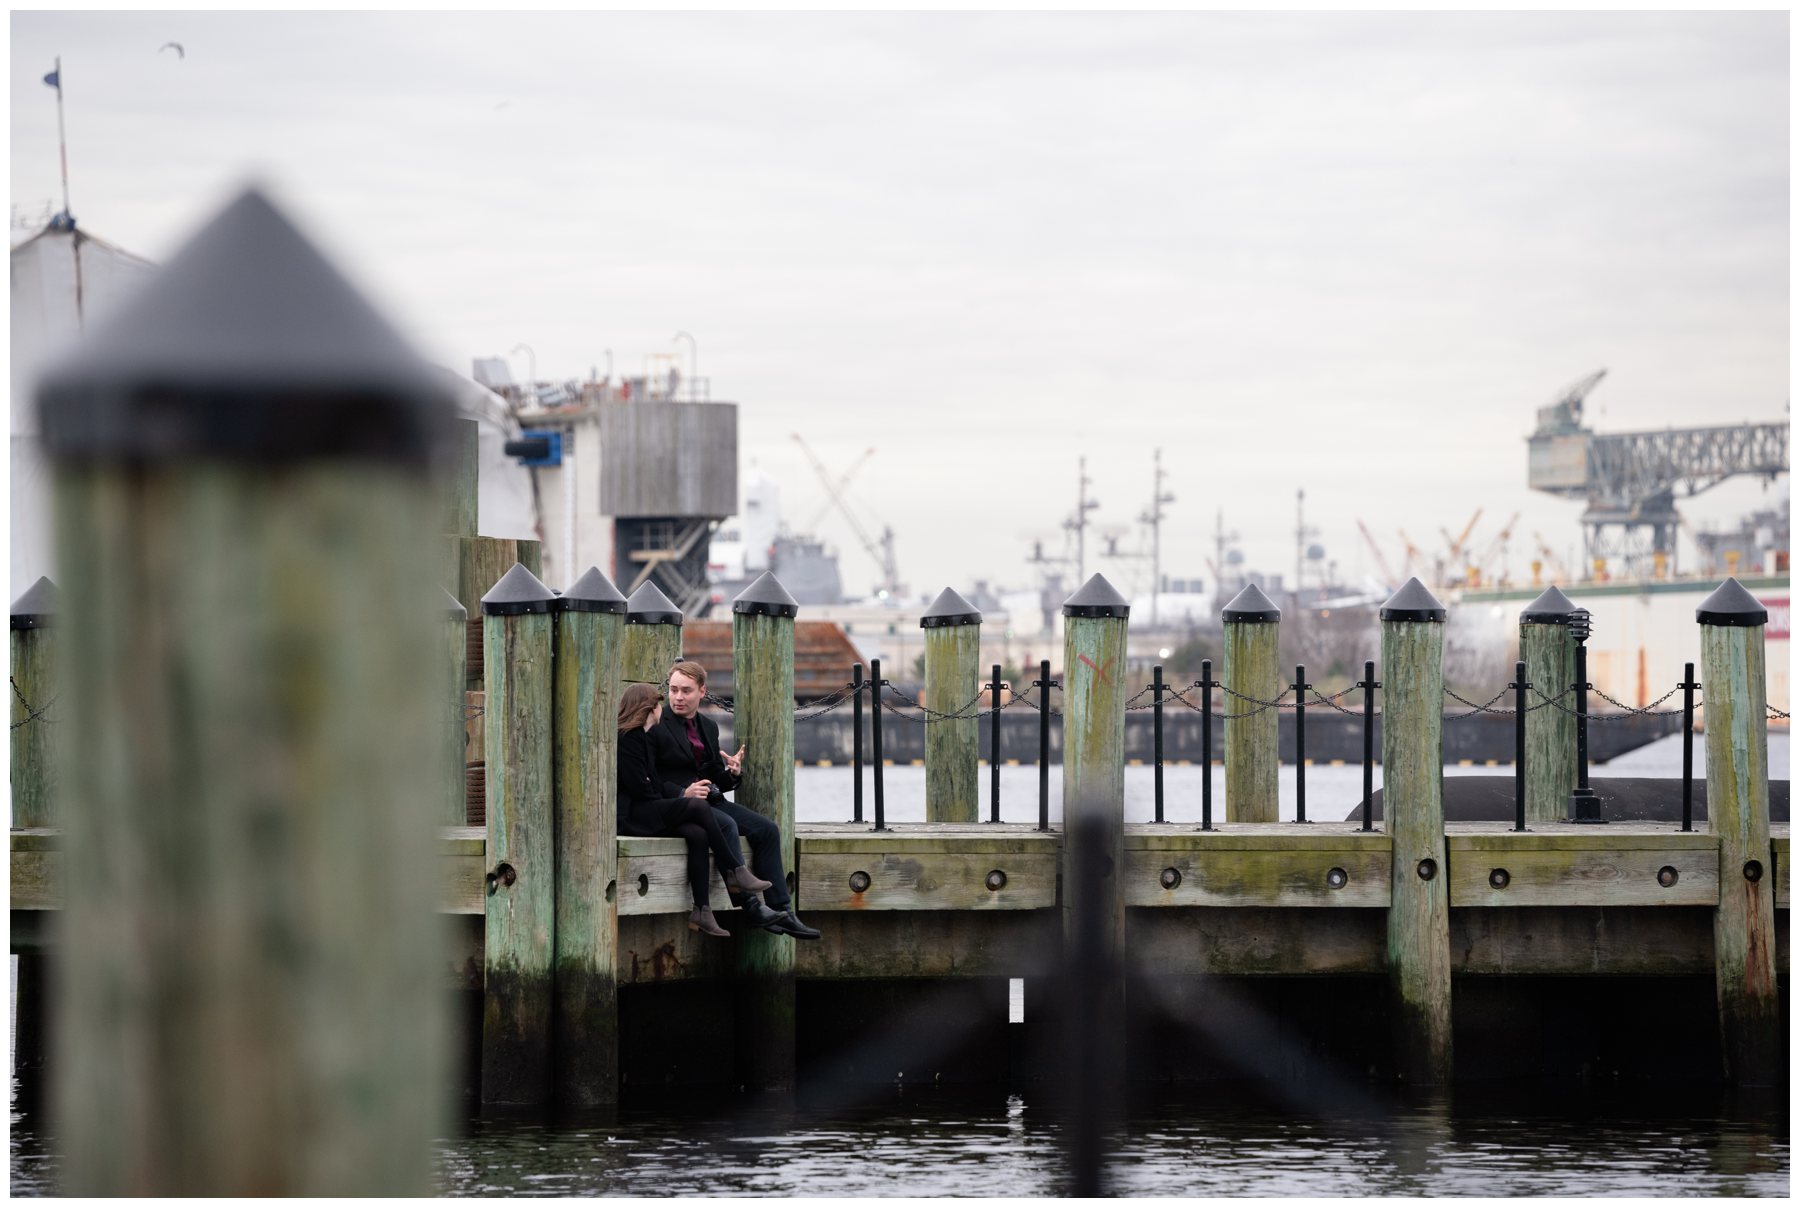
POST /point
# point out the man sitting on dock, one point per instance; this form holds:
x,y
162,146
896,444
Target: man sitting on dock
x,y
690,763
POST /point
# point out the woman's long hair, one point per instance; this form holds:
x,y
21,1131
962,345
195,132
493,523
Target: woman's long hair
x,y
637,702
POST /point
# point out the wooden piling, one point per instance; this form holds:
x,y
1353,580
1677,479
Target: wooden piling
x,y
1252,744
588,618
762,648
1733,678
521,872
652,642
1547,646
952,678
34,719
459,486
481,561
1095,620
455,731
250,994
1412,751
34,772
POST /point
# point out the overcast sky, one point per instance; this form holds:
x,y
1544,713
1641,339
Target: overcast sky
x,y
1350,253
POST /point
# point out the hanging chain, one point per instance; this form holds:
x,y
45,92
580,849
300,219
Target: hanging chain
x,y
826,704
1649,710
972,709
1330,702
1475,708
31,714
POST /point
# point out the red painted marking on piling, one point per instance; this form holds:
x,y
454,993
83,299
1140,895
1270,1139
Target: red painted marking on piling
x,y
1100,671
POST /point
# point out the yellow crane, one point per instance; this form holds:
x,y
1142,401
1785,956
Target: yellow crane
x,y
1478,568
1547,558
1459,544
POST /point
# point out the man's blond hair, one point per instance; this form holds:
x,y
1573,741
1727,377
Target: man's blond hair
x,y
692,670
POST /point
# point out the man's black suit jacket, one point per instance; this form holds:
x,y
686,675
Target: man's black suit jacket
x,y
676,766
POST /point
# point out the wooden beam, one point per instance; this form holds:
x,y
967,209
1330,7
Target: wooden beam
x,y
1570,866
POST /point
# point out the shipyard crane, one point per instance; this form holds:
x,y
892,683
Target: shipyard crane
x,y
881,550
1415,557
1629,479
1548,557
1458,544
843,484
1381,562
1478,567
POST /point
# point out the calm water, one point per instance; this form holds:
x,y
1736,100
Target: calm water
x,y
929,1146
1540,1141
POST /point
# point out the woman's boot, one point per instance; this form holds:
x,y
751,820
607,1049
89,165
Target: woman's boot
x,y
702,920
745,881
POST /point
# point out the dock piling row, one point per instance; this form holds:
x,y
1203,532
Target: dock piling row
x,y
762,642
1737,810
953,744
1412,767
1252,733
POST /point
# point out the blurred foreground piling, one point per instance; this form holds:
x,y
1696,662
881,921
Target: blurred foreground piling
x,y
247,1001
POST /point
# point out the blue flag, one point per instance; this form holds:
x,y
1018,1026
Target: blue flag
x,y
54,79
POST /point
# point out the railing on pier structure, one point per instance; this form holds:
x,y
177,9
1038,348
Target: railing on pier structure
x,y
235,725
883,888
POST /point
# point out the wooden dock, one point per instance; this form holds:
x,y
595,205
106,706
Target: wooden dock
x,y
932,907
235,778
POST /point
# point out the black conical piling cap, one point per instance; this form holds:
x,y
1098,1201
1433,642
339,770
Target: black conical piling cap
x,y
453,608
765,598
648,606
1097,598
948,610
518,593
37,607
1551,608
1732,605
1413,602
248,344
1250,606
593,592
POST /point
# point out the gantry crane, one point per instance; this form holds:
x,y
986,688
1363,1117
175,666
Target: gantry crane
x,y
881,550
1629,479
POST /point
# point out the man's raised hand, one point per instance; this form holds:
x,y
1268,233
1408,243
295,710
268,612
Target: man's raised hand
x,y
734,763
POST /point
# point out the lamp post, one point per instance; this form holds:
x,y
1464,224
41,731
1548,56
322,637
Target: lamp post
x,y
693,361
1584,802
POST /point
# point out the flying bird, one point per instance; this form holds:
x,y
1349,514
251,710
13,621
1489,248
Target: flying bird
x,y
180,51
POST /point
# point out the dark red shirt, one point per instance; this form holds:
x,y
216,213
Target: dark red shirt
x,y
697,742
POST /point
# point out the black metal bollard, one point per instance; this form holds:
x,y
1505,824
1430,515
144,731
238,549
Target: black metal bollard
x,y
1043,683
875,685
1368,687
1156,693
1584,802
1300,687
856,751
994,749
1687,747
1518,686
1206,686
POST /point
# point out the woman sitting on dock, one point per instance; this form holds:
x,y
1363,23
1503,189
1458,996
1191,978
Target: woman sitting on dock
x,y
643,810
